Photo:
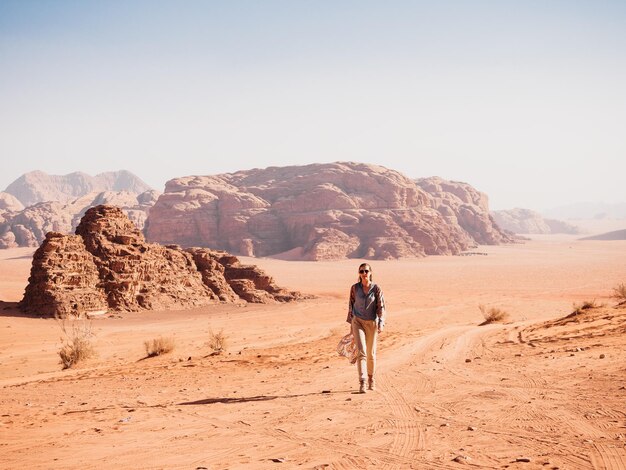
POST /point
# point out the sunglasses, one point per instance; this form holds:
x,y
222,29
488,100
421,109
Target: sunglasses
x,y
363,271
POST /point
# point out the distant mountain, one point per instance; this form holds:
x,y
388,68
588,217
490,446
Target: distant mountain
x,y
37,186
28,226
526,221
588,210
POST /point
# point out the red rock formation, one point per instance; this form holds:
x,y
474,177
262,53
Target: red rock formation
x,y
64,279
212,272
462,204
108,265
248,281
136,275
313,212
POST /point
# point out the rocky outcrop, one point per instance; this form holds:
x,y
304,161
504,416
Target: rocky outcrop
x,y
9,203
7,238
108,265
526,221
312,212
559,226
28,227
37,186
224,274
462,204
63,280
135,206
9,206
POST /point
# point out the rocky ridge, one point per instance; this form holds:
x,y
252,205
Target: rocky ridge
x,y
461,204
37,186
28,226
321,212
108,266
526,221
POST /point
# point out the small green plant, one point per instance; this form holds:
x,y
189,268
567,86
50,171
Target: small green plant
x,y
159,346
218,341
76,343
492,314
619,293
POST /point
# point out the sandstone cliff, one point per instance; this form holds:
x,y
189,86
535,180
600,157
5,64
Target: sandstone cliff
x,y
526,221
108,265
63,279
318,212
462,204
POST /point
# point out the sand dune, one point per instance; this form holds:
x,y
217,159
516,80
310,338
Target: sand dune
x,y
540,391
615,235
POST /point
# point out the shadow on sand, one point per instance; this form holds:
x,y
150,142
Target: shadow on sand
x,y
228,400
28,256
11,309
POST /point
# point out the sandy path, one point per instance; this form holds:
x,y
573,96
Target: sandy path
x,y
488,396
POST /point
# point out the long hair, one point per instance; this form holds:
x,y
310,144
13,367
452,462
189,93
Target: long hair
x,y
365,265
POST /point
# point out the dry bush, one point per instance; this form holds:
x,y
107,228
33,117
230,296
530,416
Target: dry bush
x,y
76,343
492,314
586,305
158,346
218,341
619,293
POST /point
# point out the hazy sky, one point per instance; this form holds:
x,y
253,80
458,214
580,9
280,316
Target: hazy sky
x,y
525,100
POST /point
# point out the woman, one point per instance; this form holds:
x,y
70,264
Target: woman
x,y
366,314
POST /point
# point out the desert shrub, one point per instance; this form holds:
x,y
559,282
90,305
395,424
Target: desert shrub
x,y
492,314
159,346
76,343
586,305
218,341
619,293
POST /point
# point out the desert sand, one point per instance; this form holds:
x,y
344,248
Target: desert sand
x,y
533,392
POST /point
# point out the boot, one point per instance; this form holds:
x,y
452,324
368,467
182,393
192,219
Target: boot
x,y
371,383
362,386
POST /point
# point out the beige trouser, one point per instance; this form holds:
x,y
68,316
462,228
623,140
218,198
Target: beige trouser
x,y
365,333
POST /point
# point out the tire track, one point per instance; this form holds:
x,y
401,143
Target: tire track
x,y
407,435
608,457
350,452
